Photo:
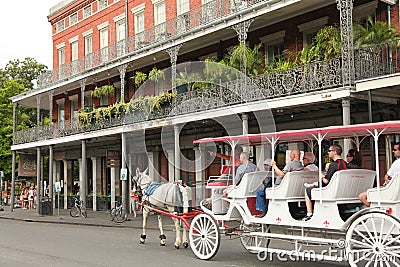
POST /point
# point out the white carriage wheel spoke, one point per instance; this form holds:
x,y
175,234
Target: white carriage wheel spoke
x,y
196,234
374,228
361,243
381,231
363,236
208,246
369,261
367,230
387,264
388,233
392,248
393,240
196,239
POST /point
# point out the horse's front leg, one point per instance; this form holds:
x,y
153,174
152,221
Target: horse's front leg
x,y
185,242
178,233
143,235
160,226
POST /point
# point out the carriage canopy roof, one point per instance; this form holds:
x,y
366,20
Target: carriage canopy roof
x,y
331,132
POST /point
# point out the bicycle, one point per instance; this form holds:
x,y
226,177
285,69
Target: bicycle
x,y
78,209
118,214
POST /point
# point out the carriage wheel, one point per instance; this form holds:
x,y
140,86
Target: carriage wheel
x,y
248,240
204,236
374,238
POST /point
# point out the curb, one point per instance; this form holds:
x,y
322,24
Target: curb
x,y
116,225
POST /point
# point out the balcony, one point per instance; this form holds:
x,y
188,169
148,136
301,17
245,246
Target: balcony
x,y
194,20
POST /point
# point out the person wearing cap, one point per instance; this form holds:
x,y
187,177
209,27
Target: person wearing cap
x,y
261,202
308,162
293,165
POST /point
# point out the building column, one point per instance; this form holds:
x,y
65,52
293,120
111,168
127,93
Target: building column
x,y
12,202
38,109
51,106
245,123
96,181
83,174
131,173
345,8
38,180
113,173
200,169
83,84
67,181
51,179
125,191
122,72
173,54
177,153
171,164
153,165
346,121
56,178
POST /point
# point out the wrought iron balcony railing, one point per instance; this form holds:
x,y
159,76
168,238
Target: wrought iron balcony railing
x,y
195,19
307,78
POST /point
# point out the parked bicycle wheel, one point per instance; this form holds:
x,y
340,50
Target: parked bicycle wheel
x,y
74,212
121,216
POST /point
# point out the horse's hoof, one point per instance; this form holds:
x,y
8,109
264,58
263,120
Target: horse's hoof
x,y
162,244
185,244
141,241
176,246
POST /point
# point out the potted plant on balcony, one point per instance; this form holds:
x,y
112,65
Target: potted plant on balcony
x,y
156,74
139,78
103,91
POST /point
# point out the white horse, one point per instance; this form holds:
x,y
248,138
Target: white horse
x,y
163,197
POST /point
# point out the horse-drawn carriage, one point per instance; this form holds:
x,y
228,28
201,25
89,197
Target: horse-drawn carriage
x,y
370,235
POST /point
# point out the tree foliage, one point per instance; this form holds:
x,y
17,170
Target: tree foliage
x,y
17,77
373,32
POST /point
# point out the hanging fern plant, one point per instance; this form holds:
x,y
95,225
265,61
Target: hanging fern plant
x,y
156,74
139,78
104,90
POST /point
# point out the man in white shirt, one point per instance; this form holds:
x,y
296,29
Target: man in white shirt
x,y
389,175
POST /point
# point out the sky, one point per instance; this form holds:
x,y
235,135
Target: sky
x,y
25,31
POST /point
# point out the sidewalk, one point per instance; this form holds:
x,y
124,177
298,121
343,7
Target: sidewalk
x,y
94,218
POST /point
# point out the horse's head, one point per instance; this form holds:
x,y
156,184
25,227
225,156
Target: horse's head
x,y
140,182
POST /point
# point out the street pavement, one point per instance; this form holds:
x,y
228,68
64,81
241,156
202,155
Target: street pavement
x,y
94,218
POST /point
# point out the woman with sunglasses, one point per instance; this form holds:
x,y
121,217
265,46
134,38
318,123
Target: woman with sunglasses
x,y
354,160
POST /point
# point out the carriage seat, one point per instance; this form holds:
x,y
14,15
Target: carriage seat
x,y
388,194
249,185
345,186
292,186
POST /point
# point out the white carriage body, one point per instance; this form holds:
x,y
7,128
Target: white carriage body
x,y
376,229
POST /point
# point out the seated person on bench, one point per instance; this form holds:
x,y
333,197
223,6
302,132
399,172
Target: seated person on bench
x,y
334,152
293,165
389,175
245,167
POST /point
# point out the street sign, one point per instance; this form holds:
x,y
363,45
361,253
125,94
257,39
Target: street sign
x,y
124,174
57,186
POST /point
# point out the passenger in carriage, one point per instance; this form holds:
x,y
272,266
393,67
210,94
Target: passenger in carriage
x,y
354,159
261,203
308,162
337,164
293,165
395,168
245,167
238,151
